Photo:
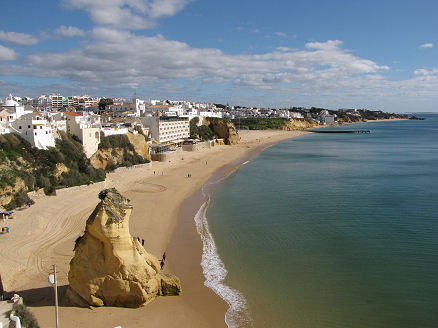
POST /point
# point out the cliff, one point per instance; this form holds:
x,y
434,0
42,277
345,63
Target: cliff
x,y
110,267
25,168
223,129
296,124
121,150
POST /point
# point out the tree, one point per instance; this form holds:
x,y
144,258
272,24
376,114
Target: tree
x,y
105,102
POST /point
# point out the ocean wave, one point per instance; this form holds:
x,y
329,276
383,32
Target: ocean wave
x,y
215,273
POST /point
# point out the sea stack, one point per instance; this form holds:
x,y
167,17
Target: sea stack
x,y
110,267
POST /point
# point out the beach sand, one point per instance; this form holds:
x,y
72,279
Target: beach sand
x,y
165,201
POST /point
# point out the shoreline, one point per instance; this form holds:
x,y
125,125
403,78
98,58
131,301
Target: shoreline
x,y
192,221
44,235
165,203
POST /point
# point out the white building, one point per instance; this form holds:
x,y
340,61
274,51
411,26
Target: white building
x,y
13,106
324,117
34,129
56,101
296,115
167,128
87,128
139,106
209,114
113,129
10,110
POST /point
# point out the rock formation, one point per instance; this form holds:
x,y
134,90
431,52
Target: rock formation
x,y
103,157
223,129
297,124
110,267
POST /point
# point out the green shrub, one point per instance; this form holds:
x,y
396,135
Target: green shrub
x,y
205,133
27,318
115,141
19,199
37,167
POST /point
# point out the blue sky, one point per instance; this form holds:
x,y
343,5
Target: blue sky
x,y
333,54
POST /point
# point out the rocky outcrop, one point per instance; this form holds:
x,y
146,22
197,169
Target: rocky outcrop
x,y
60,168
7,193
116,156
296,124
140,144
104,157
223,129
110,267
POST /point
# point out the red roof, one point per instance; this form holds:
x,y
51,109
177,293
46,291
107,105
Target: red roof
x,y
73,114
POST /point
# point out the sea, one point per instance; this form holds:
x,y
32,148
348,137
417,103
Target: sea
x,y
329,230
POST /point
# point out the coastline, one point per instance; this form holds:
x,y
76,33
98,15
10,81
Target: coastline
x,y
33,246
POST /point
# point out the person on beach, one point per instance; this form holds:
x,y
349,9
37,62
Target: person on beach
x,y
161,264
164,256
142,242
138,238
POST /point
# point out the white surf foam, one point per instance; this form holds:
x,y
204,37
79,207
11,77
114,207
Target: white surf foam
x,y
215,273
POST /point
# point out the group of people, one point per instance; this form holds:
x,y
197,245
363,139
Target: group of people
x,y
140,241
162,260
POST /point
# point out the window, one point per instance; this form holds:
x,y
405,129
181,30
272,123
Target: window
x,y
19,127
34,127
28,126
35,133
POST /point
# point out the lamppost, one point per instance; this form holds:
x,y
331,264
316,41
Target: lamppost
x,y
54,284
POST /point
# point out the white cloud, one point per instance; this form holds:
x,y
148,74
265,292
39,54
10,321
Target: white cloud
x,y
21,39
7,54
426,46
68,31
284,49
282,34
119,60
115,57
128,14
426,72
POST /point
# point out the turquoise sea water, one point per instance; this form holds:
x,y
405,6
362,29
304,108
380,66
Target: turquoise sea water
x,y
335,230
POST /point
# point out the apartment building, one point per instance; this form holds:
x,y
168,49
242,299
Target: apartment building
x,y
167,128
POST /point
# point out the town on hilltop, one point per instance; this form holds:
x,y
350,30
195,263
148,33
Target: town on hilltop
x,y
38,120
54,142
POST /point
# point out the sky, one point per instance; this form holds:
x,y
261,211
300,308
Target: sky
x,y
379,55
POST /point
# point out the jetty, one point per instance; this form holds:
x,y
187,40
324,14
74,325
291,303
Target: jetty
x,y
339,131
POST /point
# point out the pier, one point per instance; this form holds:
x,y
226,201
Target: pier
x,y
340,131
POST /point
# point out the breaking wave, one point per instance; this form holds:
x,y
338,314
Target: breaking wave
x,y
215,273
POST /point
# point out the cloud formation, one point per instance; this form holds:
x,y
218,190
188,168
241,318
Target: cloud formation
x,y
21,39
7,53
127,14
426,46
68,31
119,60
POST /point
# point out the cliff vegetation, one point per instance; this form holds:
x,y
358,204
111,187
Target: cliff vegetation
x,y
25,168
121,150
213,127
256,123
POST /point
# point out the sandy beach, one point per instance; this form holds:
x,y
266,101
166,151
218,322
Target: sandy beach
x,y
165,201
